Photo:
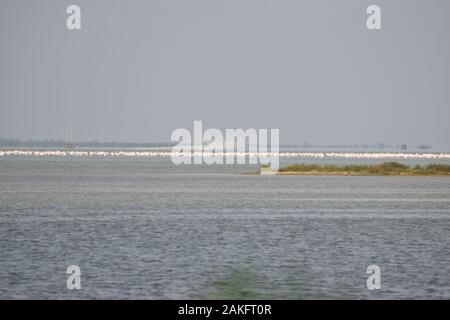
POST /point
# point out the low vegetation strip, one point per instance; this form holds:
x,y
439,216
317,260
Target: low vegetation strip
x,y
386,168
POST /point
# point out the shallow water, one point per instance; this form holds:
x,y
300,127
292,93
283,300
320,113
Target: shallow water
x,y
143,228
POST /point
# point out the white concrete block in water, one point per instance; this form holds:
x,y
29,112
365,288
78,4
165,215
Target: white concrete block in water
x,y
267,171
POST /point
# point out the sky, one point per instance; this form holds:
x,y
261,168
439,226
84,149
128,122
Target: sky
x,y
139,69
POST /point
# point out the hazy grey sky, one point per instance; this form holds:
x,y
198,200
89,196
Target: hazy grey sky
x,y
139,69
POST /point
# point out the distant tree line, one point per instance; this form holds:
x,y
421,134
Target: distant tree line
x,y
51,143
379,146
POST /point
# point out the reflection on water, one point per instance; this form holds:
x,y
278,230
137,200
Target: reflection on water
x,y
141,228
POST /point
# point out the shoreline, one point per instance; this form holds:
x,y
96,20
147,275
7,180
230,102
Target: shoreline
x,y
353,174
383,169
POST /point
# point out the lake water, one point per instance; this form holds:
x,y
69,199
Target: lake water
x,y
143,228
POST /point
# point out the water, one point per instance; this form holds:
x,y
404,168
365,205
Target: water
x,y
143,228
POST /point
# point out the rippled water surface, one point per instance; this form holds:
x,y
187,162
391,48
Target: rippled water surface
x,y
142,228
